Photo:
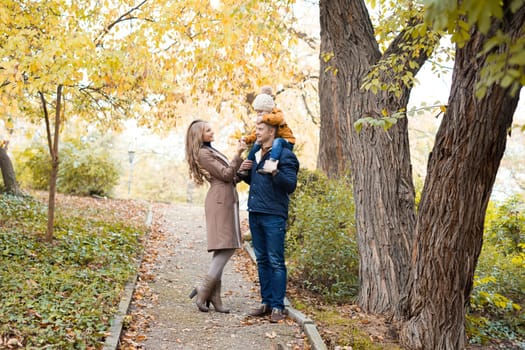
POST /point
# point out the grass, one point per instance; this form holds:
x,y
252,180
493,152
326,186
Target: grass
x,y
63,294
344,326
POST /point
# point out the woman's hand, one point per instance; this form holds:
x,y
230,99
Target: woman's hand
x,y
241,147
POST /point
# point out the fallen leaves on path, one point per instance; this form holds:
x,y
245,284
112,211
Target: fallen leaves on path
x,y
244,264
138,320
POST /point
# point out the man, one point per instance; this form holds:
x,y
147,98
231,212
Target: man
x,y
268,211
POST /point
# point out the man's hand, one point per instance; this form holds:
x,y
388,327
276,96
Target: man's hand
x,y
246,165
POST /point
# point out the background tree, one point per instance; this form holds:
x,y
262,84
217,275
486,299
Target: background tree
x,y
50,60
134,59
8,172
379,158
374,88
461,172
334,156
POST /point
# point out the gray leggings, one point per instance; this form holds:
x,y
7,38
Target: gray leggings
x,y
218,261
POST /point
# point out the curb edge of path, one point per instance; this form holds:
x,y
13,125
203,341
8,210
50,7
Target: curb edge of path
x,y
305,322
116,325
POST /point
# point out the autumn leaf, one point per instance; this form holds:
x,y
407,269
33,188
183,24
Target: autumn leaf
x,y
270,335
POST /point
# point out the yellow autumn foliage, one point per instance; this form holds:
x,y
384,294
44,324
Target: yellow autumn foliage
x,y
120,59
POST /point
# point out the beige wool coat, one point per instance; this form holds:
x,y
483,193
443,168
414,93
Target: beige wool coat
x,y
222,201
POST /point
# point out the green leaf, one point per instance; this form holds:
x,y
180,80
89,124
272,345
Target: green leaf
x,y
481,90
518,58
490,44
506,81
516,4
514,73
358,125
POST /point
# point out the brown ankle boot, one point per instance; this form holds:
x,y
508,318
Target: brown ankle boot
x,y
216,300
203,293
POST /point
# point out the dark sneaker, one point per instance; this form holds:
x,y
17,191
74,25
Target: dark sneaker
x,y
260,311
277,315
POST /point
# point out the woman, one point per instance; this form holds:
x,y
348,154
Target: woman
x,y
221,207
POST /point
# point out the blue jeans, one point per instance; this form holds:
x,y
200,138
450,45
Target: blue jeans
x,y
268,233
277,148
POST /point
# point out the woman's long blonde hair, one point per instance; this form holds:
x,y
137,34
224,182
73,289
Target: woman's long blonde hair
x,y
194,142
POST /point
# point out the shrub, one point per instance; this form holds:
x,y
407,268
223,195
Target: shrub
x,y
321,241
506,226
83,170
86,170
35,167
498,297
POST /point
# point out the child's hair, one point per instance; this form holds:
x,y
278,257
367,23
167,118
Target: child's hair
x,y
194,143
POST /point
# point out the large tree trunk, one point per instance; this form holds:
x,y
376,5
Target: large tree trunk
x,y
384,204
8,173
379,160
334,148
461,172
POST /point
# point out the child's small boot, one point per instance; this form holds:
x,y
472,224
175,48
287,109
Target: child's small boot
x,y
269,167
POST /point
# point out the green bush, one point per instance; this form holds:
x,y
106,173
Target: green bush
x,y
498,297
321,240
35,166
83,170
86,170
506,226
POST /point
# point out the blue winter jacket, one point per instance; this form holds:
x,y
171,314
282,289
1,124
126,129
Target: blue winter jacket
x,y
269,194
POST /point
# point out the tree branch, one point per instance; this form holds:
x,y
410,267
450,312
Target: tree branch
x,y
124,17
308,110
58,109
46,118
116,103
405,46
312,42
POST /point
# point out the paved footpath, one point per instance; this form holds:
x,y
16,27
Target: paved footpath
x,y
182,262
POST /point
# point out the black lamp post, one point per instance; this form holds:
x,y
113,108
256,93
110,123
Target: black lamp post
x,y
131,156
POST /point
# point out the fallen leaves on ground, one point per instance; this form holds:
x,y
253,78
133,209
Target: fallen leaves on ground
x,y
138,320
244,264
10,343
65,292
101,208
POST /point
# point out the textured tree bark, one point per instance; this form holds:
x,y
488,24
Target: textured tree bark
x,y
8,173
461,172
379,160
334,156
